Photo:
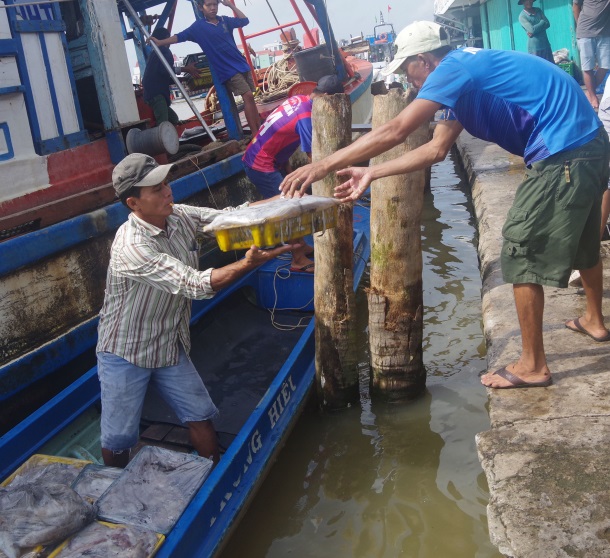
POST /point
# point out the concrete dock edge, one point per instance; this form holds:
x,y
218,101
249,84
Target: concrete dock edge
x,y
546,455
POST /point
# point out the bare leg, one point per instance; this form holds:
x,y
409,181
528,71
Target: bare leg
x,y
599,76
605,211
593,320
251,112
299,258
203,438
112,459
531,366
590,84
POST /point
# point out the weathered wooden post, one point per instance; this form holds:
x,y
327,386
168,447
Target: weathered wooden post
x,y
334,298
395,296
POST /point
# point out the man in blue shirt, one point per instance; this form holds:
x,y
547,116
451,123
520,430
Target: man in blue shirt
x,y
214,35
553,225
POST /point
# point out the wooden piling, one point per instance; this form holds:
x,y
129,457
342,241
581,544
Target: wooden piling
x,y
334,298
395,296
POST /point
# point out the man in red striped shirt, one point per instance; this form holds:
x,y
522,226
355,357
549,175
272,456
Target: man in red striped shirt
x,y
266,161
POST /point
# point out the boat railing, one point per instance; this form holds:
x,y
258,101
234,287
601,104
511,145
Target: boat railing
x,y
319,18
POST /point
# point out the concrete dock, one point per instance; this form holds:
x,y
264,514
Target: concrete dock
x,y
547,453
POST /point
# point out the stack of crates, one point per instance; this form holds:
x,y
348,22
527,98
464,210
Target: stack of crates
x,y
204,81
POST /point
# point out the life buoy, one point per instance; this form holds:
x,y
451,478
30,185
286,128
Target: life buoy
x,y
383,37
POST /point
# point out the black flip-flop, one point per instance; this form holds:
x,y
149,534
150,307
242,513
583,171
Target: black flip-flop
x,y
578,327
516,382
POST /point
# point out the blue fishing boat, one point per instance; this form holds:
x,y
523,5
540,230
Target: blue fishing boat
x,y
259,376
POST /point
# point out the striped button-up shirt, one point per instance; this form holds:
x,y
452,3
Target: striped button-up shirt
x,y
151,278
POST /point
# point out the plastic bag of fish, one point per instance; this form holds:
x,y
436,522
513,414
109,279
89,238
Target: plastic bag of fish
x,y
154,489
94,480
35,514
43,469
102,540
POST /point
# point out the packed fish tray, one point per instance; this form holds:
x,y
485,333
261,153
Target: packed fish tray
x,y
154,489
274,223
47,468
101,540
94,480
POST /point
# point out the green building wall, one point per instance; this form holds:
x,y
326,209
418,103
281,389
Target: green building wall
x,y
501,28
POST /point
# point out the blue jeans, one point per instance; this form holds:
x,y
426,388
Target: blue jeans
x,y
267,183
124,384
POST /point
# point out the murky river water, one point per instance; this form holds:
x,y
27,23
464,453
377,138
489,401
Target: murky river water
x,y
399,480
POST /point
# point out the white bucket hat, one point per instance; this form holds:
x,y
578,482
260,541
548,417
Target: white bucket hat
x,y
417,38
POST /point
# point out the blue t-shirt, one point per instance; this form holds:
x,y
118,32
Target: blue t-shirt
x,y
218,44
526,105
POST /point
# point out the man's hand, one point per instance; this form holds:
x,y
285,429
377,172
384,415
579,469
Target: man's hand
x,y
297,182
227,3
359,180
192,70
256,256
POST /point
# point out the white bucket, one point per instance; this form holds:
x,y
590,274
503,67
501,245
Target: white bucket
x,y
154,141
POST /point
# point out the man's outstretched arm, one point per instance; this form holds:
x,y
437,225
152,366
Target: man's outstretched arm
x,y
378,141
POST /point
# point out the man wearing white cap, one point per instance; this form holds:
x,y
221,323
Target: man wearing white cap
x,y
144,321
553,225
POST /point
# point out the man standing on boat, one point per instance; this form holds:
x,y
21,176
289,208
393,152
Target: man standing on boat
x,y
553,225
144,321
156,81
266,161
214,34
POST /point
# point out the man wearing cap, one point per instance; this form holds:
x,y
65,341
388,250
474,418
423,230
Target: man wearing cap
x,y
266,160
553,225
144,321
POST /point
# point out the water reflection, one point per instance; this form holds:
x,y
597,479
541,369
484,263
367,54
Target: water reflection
x,y
394,480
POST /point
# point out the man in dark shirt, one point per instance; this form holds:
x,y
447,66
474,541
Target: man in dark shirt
x,y
157,80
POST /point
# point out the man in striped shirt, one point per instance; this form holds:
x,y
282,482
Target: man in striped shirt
x,y
144,321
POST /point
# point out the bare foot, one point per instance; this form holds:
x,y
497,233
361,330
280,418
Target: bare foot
x,y
593,100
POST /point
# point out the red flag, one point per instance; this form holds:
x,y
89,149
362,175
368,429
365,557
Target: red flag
x,y
389,8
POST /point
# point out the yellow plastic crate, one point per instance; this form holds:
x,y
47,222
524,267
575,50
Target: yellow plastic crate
x,y
39,461
70,547
274,223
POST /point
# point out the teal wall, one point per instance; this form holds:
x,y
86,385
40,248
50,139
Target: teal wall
x,y
501,28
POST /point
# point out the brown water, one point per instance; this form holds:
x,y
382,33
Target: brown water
x,y
383,480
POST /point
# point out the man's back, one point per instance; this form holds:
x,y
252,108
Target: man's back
x,y
280,135
534,117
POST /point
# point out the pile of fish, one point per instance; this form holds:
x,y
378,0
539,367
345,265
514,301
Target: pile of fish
x,y
34,515
154,489
52,502
101,540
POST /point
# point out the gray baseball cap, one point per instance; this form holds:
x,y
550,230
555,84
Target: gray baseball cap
x,y
138,170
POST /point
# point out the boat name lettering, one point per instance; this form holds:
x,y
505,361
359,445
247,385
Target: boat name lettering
x,y
256,443
276,410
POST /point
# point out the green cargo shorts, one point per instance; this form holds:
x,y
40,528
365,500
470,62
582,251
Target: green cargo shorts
x,y
163,112
554,223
